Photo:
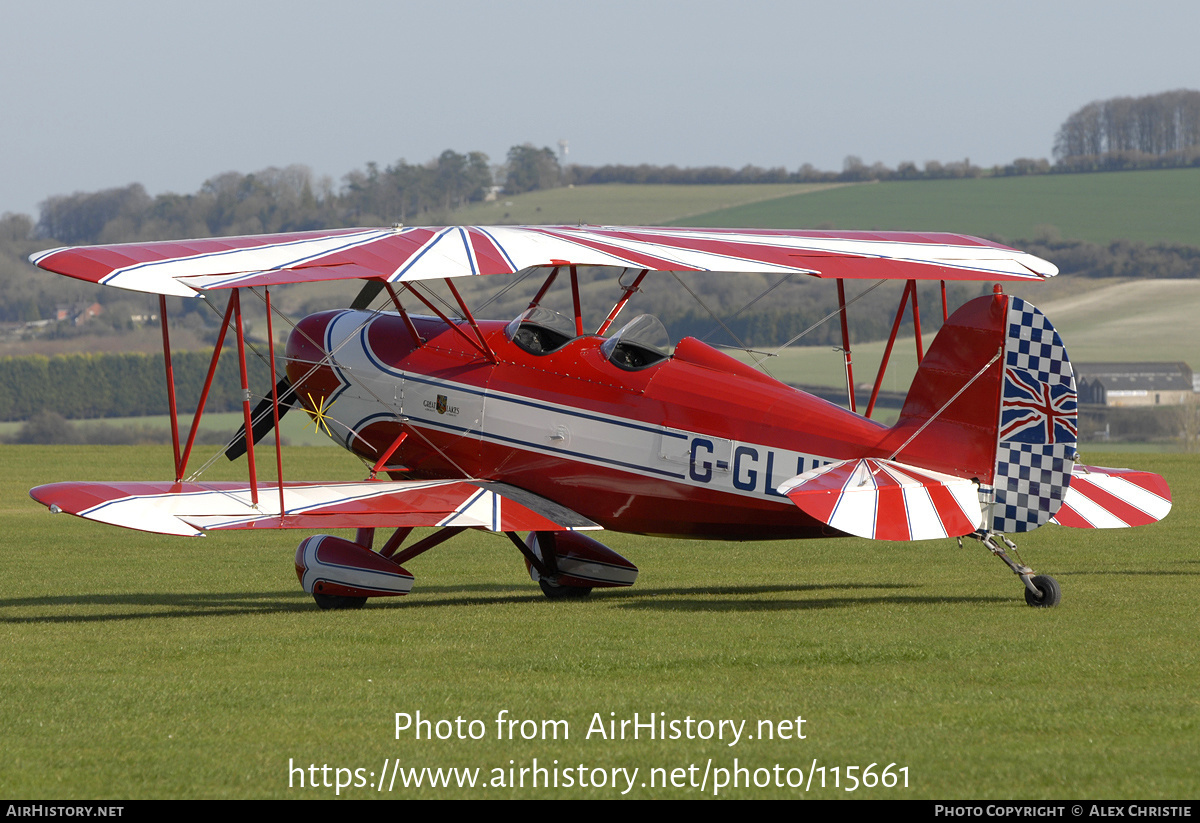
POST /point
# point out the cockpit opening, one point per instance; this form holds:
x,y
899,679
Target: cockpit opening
x,y
540,330
641,343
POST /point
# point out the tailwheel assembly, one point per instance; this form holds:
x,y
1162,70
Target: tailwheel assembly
x,y
1041,590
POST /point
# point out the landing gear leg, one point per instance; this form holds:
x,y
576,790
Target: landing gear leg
x,y
1041,590
544,561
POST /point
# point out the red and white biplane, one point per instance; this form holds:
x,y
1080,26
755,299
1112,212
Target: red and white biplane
x,y
536,424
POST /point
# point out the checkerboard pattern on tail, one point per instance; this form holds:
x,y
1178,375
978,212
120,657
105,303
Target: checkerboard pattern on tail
x,y
1038,428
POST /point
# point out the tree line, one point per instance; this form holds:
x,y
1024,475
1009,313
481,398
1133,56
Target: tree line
x,y
84,386
1145,132
289,199
1120,258
1163,126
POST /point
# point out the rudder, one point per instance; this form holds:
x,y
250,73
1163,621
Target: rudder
x,y
1038,427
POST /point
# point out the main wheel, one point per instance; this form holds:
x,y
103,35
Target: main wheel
x,y
555,592
338,601
1049,589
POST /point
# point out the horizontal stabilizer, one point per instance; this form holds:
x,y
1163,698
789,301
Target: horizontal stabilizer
x,y
187,508
1100,498
885,500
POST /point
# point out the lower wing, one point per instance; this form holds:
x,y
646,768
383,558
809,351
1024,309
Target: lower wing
x,y
189,508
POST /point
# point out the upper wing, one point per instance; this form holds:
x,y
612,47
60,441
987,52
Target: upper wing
x,y
184,267
186,508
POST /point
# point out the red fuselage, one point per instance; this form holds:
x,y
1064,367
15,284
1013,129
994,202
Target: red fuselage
x,y
694,445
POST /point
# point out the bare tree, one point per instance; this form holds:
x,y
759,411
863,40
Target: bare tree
x,y
1157,125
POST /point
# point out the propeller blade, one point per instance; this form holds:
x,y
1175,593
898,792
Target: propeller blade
x,y
261,418
370,291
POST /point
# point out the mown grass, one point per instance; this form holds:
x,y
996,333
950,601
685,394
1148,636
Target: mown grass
x,y
142,666
1143,206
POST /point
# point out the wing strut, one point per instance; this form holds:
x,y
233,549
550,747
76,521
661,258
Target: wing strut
x,y
841,289
910,289
162,315
575,301
381,463
471,319
453,326
236,300
418,340
916,313
537,298
212,370
275,407
629,292
232,311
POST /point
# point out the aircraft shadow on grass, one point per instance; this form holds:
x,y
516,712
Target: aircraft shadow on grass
x,y
135,606
690,598
1143,572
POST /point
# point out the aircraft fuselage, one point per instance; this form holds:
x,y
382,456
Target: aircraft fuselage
x,y
693,445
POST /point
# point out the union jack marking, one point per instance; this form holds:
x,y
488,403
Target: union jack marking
x,y
1038,428
1036,412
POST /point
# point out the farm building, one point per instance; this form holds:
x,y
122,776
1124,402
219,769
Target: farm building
x,y
1134,384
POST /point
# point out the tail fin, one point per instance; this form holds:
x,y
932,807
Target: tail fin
x,y
1039,431
994,400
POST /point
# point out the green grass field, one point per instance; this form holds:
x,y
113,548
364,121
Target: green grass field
x,y
624,205
1145,206
134,665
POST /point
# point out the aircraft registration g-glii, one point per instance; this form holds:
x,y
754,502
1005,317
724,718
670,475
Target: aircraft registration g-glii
x,y
535,424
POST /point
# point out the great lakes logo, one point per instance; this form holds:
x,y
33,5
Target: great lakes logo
x,y
442,406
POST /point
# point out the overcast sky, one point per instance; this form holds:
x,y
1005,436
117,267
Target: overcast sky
x,y
168,94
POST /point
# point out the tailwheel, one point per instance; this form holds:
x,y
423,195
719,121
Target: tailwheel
x,y
337,601
1048,593
1041,590
557,592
